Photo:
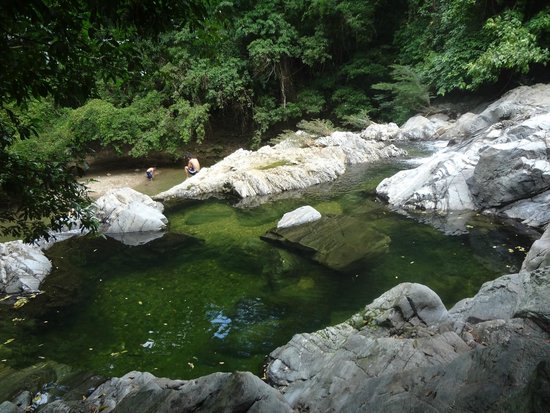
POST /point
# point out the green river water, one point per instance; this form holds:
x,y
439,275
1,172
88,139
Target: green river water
x,y
212,296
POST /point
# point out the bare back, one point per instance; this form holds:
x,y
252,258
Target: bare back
x,y
194,164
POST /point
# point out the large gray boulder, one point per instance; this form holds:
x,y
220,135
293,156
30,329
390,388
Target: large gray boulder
x,y
523,295
23,267
534,211
380,131
420,128
405,352
289,165
539,253
125,210
514,106
504,160
514,170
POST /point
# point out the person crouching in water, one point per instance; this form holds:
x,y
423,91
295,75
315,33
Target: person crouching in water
x,y
150,173
193,165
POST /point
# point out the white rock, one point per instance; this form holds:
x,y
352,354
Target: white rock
x,y
299,216
289,165
124,210
22,267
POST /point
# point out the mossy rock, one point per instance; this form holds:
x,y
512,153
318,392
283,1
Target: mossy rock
x,y
341,243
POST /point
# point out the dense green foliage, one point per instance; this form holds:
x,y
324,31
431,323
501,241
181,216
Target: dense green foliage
x,y
143,77
60,50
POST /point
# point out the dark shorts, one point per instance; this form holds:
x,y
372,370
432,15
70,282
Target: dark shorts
x,y
149,175
192,171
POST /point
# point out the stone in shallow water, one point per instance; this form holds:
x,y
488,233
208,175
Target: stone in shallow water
x,y
299,216
341,243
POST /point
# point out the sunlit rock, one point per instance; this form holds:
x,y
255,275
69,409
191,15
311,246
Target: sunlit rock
x,y
125,211
380,131
299,216
504,160
289,165
22,267
420,128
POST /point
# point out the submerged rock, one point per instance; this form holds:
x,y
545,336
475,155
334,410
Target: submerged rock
x,y
289,165
341,243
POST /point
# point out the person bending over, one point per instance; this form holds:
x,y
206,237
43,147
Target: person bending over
x,y
193,165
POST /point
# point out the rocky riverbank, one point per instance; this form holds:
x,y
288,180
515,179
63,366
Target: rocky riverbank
x,y
405,351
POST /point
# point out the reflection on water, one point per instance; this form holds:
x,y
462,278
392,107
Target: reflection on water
x,y
211,296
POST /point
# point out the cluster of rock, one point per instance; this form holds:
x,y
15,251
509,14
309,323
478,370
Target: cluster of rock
x,y
134,218
405,351
496,161
290,165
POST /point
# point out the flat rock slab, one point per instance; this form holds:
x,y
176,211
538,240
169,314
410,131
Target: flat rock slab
x,y
341,243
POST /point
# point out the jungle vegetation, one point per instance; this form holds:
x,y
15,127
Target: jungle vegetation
x,y
153,76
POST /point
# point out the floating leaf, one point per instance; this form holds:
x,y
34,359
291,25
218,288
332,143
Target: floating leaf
x,y
191,365
21,302
9,340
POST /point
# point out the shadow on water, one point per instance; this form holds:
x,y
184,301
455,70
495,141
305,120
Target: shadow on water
x,y
212,296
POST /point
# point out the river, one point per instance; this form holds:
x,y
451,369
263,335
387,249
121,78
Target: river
x,y
212,296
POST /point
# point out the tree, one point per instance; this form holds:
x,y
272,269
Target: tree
x,y
59,49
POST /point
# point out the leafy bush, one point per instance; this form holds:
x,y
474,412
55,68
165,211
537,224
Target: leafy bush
x,y
359,120
317,127
349,101
407,94
510,45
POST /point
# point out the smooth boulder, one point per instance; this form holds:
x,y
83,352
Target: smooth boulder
x,y
299,216
125,210
23,267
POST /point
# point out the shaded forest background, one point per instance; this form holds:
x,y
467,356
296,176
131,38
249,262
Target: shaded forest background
x,y
150,77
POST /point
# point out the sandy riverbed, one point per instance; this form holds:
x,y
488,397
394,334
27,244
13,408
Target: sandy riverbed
x,y
100,182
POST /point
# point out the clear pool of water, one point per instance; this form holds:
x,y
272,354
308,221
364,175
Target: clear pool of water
x,y
212,296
